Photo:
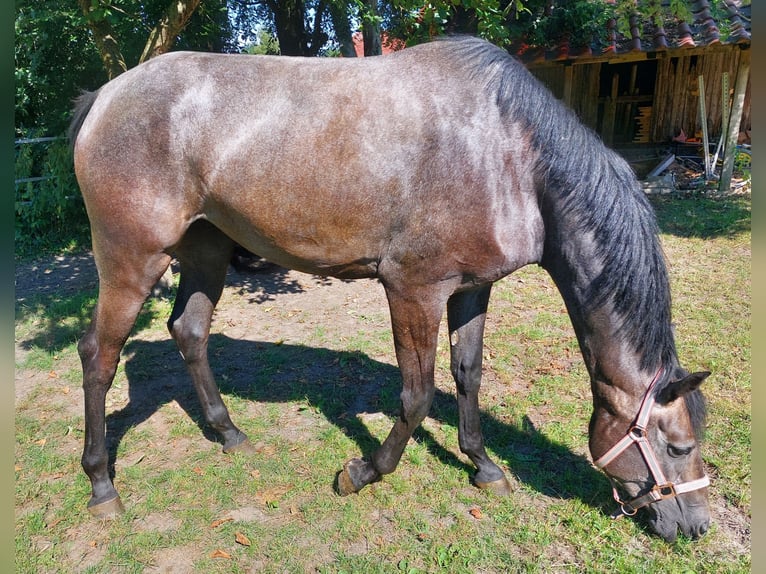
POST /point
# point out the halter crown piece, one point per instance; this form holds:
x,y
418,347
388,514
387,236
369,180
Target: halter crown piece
x,y
662,489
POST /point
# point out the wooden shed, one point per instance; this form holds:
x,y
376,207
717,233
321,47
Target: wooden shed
x,y
647,89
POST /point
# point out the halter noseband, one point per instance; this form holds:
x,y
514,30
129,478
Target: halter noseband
x,y
662,489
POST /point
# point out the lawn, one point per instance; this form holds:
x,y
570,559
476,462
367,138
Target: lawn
x,y
306,367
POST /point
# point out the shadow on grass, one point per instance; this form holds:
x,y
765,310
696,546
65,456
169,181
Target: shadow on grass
x,y
341,385
63,294
65,287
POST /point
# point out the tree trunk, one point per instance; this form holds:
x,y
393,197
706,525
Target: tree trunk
x,y
161,38
171,24
108,48
291,28
371,29
342,26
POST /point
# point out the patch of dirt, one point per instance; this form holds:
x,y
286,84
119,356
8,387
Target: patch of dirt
x,y
288,311
60,275
293,308
176,560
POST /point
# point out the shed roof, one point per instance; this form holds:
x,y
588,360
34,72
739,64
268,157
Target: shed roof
x,y
388,44
703,32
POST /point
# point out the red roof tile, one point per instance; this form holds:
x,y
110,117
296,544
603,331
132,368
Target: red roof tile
x,y
388,44
702,30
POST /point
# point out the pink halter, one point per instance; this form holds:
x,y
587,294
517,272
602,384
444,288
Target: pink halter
x,y
662,489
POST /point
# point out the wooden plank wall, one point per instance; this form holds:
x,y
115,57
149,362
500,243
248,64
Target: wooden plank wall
x,y
552,77
584,88
585,85
676,96
675,103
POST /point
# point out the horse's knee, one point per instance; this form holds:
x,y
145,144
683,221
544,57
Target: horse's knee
x,y
99,364
466,371
190,336
87,348
415,405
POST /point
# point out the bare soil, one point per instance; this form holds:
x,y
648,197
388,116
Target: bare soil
x,y
294,308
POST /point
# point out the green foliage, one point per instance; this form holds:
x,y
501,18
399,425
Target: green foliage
x,y
266,43
416,23
54,59
49,212
582,21
680,9
743,162
624,9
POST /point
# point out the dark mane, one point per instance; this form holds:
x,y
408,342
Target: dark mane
x,y
597,194
697,407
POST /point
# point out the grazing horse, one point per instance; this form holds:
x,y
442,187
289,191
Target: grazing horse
x,y
436,170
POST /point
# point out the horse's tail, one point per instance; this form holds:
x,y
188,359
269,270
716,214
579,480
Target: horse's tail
x,y
82,105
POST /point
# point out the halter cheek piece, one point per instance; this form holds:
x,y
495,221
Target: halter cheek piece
x,y
662,489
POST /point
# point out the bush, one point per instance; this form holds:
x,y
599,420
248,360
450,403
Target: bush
x,y
50,213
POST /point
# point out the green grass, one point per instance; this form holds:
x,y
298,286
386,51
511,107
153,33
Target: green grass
x,y
187,504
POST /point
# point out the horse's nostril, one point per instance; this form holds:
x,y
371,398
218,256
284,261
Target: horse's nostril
x,y
701,530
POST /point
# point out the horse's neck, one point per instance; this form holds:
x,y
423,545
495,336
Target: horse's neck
x,y
602,251
572,261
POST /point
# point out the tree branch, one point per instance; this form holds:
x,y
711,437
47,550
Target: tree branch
x,y
163,35
103,37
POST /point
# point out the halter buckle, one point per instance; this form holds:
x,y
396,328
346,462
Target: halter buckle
x,y
667,490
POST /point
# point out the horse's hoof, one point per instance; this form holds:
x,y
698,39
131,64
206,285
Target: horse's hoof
x,y
345,485
500,487
356,474
108,509
244,447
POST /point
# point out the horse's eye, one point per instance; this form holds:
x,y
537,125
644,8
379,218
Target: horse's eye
x,y
677,452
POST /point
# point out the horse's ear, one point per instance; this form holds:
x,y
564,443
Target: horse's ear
x,y
679,388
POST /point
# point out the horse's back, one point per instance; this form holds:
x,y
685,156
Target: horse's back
x,y
327,165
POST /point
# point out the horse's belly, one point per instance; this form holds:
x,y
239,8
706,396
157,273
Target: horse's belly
x,y
296,243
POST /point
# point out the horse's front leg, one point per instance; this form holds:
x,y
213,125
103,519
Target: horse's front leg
x,y
466,314
415,325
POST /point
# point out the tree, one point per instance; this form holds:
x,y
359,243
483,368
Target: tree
x,y
175,19
301,27
296,36
54,57
368,13
415,21
340,18
99,16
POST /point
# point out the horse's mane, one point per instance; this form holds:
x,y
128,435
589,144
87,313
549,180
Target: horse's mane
x,y
596,192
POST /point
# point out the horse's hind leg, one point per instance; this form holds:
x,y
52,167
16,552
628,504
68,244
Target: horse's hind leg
x,y
415,324
466,313
203,255
122,292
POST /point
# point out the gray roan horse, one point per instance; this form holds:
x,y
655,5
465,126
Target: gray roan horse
x,y
436,170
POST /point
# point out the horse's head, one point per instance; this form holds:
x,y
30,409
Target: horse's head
x,y
650,451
